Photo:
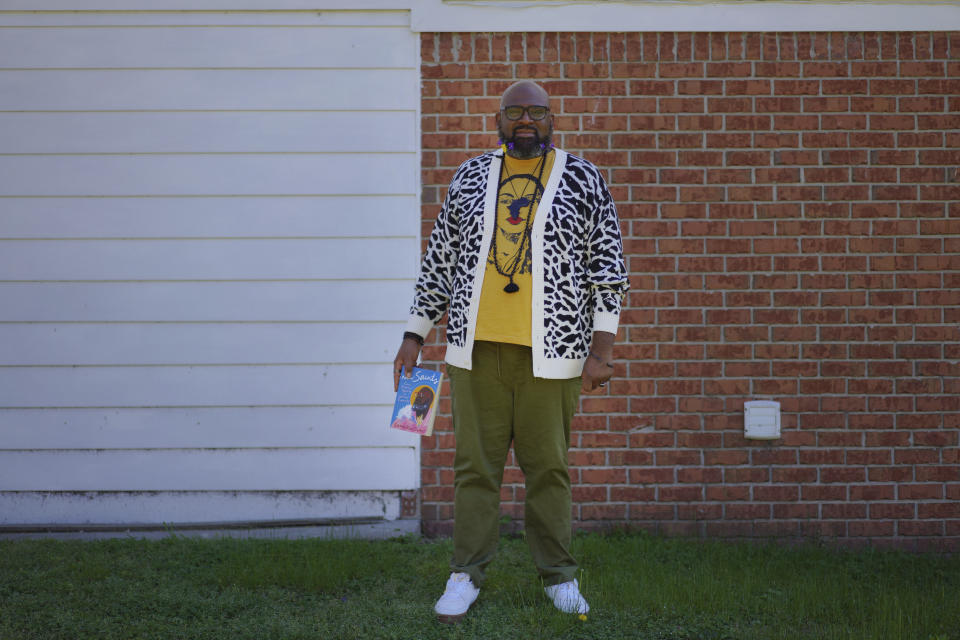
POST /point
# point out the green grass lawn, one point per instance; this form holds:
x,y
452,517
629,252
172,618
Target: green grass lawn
x,y
639,586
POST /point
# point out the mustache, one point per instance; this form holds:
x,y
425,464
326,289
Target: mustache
x,y
530,129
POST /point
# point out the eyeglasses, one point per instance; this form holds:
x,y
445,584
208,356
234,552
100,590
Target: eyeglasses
x,y
516,112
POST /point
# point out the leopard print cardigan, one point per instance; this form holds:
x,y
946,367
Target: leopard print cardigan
x,y
579,276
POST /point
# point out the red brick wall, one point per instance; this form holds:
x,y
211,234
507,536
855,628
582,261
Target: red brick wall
x,y
790,207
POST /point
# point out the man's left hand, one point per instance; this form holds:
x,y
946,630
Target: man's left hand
x,y
595,374
599,365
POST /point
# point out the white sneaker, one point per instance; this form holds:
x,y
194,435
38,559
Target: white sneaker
x,y
567,598
456,599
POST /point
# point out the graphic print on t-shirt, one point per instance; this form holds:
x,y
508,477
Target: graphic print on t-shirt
x,y
519,195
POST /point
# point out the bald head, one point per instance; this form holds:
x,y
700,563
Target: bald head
x,y
525,92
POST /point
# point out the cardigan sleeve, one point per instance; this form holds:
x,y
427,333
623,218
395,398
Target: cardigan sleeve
x,y
607,269
434,285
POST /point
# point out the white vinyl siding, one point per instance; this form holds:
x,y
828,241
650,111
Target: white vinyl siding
x,y
183,428
205,89
209,227
218,470
207,132
341,302
236,46
264,216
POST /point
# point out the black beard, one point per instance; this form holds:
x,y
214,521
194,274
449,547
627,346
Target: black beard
x,y
527,148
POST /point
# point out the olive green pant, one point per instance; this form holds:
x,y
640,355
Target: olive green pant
x,y
494,403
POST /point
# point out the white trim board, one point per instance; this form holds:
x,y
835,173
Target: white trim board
x,y
357,530
83,510
562,15
684,15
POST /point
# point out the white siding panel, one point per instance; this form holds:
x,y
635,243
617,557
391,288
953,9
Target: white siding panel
x,y
205,89
204,18
212,217
235,259
200,386
208,132
202,428
209,343
210,469
260,6
206,47
357,301
267,174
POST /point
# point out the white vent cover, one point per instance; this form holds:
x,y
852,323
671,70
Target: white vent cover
x,y
761,420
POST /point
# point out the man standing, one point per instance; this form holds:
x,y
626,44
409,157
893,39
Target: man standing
x,y
526,260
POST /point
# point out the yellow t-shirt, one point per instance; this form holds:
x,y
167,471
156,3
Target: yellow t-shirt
x,y
506,317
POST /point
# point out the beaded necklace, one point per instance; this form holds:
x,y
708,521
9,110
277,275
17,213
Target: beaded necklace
x,y
513,264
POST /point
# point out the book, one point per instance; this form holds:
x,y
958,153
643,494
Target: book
x,y
415,408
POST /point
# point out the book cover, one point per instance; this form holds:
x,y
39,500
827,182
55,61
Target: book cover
x,y
417,398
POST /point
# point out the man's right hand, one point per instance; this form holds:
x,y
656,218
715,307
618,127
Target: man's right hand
x,y
406,359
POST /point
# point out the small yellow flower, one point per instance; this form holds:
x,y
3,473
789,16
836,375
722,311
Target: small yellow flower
x,y
583,617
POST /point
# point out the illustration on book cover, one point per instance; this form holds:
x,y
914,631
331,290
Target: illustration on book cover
x,y
417,398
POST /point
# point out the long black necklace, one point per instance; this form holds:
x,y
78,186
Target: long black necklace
x,y
518,258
